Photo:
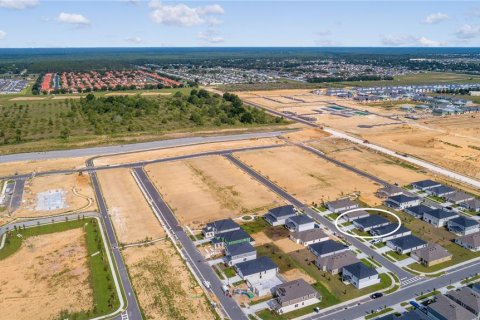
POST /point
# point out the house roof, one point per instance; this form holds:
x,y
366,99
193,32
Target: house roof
x,y
413,315
432,252
300,219
380,231
371,221
464,221
337,260
310,235
356,214
441,213
239,248
450,310
360,270
328,246
425,183
458,196
472,204
292,290
407,242
401,198
467,296
256,265
471,239
342,203
442,190
282,211
234,235
419,210
220,225
391,189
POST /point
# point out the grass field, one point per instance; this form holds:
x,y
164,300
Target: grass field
x,y
101,279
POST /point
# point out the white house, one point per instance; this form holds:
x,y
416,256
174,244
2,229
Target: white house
x,y
260,268
299,223
402,202
278,216
294,295
341,205
360,275
439,217
239,252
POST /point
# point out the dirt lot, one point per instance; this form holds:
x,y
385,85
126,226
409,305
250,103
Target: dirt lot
x,y
294,274
209,188
179,151
261,238
287,245
77,189
307,176
132,217
8,169
164,286
47,275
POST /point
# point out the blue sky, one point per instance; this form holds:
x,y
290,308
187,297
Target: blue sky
x,y
68,23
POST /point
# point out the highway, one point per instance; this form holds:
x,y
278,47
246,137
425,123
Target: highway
x,y
134,147
190,253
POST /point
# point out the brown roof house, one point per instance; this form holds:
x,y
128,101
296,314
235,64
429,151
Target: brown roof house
x,y
431,255
294,295
336,262
471,241
446,309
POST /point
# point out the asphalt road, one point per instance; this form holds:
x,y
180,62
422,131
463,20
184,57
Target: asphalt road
x,y
16,199
402,274
190,252
134,147
133,309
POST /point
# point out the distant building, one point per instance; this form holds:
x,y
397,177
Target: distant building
x,y
341,205
294,295
431,255
278,216
360,275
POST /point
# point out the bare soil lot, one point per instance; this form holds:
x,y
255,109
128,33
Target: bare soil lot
x,y
132,217
209,188
164,286
8,169
47,275
307,176
77,189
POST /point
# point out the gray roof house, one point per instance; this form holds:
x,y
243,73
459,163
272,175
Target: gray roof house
x,y
231,237
418,211
293,295
447,309
389,228
473,205
335,262
441,191
299,223
326,248
308,237
439,217
390,191
351,216
462,225
425,184
341,205
256,269
471,241
406,244
219,226
239,252
402,202
467,298
458,197
278,216
370,222
360,275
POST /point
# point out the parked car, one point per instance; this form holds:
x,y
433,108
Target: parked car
x,y
376,295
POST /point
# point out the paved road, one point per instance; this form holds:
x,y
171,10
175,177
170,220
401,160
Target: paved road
x,y
16,198
133,309
402,274
190,252
135,147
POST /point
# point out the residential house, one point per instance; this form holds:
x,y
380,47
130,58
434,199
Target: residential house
x,y
218,227
462,225
406,244
476,287
309,237
447,309
327,248
351,216
425,184
252,270
334,263
293,295
370,222
360,275
431,255
418,211
389,191
387,232
467,298
471,241
341,205
300,223
278,216
239,252
402,202
439,217
472,205
458,197
440,191
231,237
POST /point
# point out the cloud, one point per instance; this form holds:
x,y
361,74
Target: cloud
x,y
3,34
73,18
436,18
18,4
183,15
323,39
467,31
210,36
134,2
408,40
134,40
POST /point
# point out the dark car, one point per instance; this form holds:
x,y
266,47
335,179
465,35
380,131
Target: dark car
x,y
376,295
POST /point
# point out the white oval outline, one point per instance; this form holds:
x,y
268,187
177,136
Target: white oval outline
x,y
367,237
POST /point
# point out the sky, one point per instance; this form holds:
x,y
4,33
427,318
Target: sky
x,y
154,23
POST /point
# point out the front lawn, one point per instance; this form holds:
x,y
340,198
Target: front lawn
x,y
397,256
255,226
